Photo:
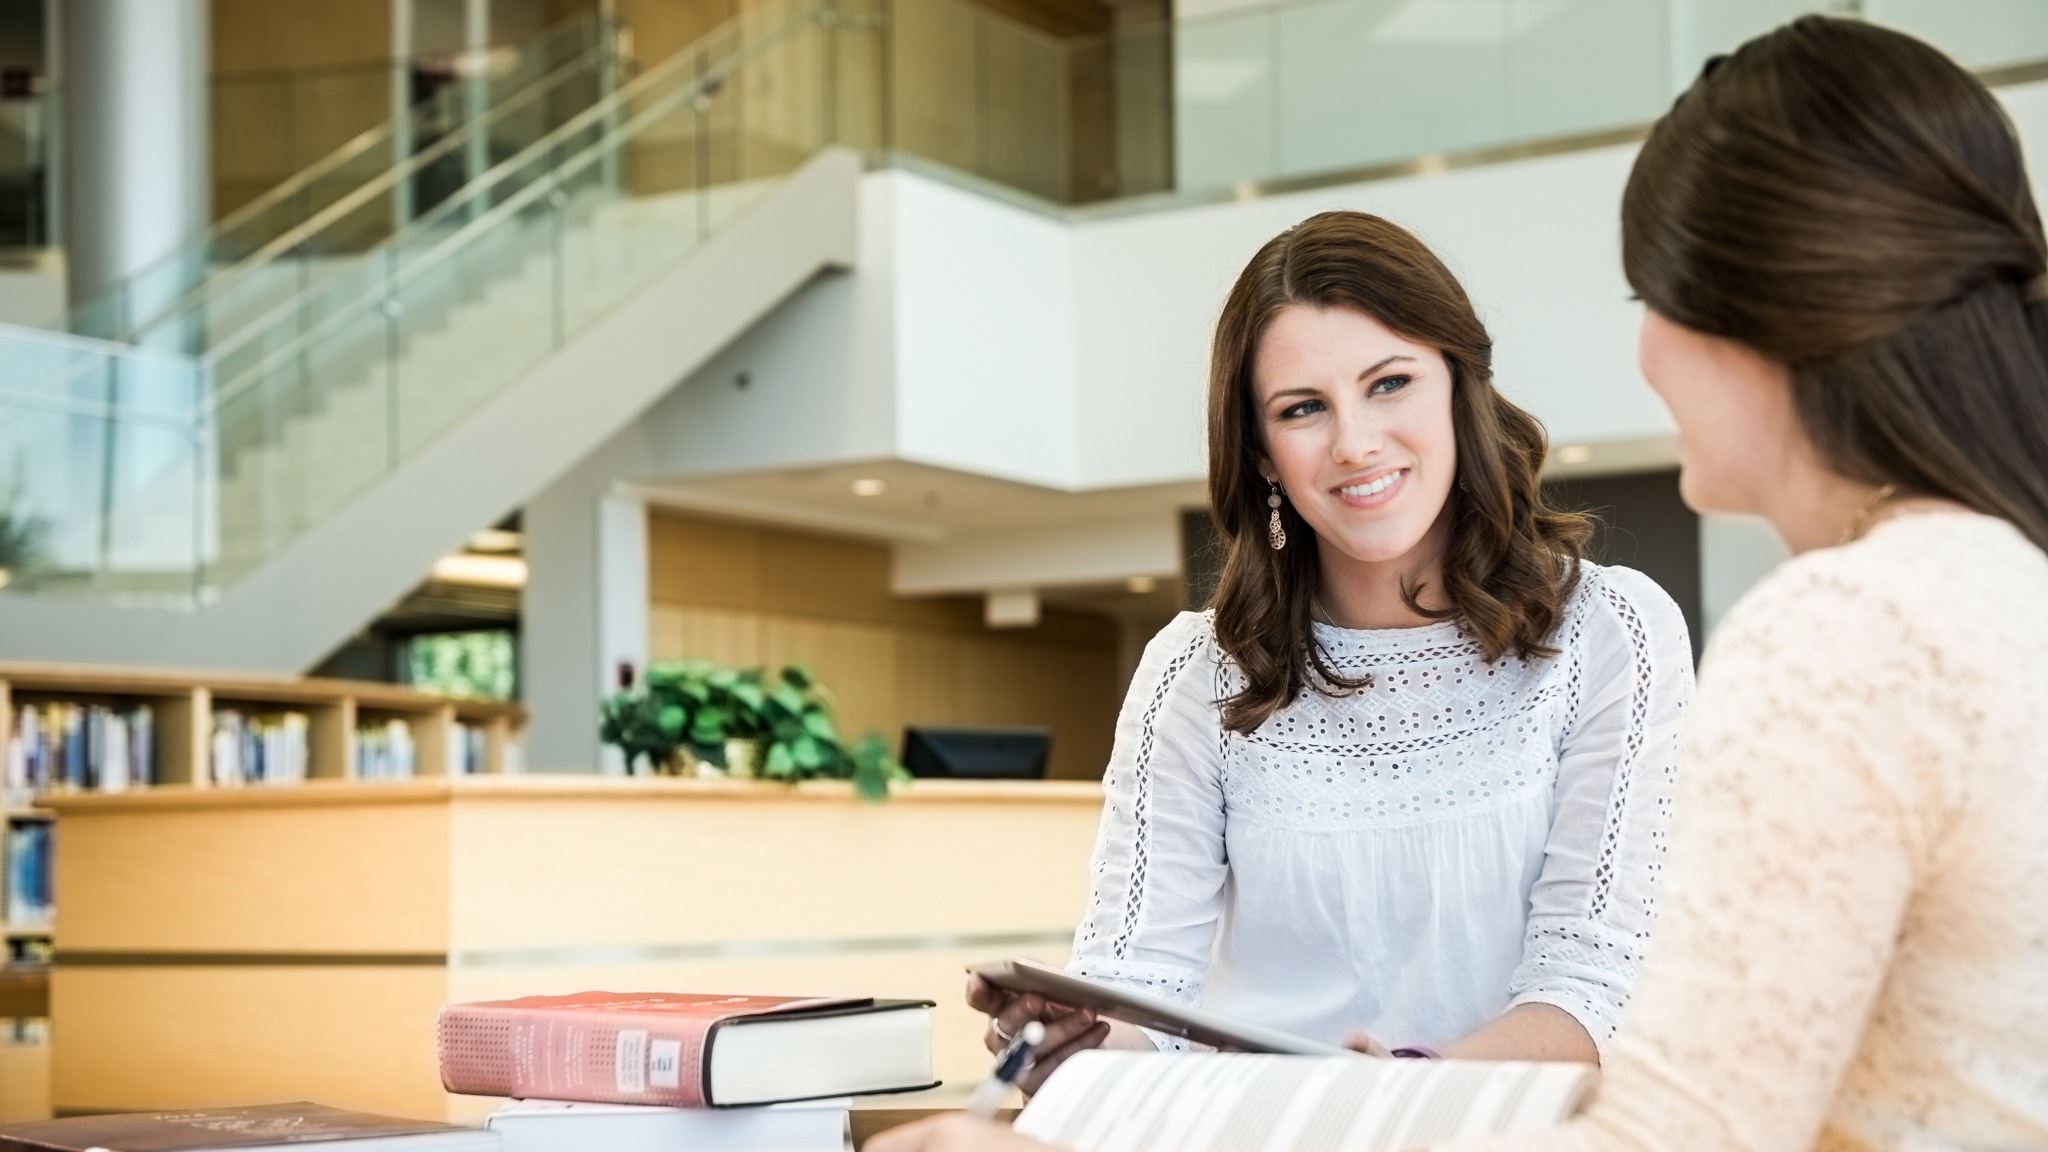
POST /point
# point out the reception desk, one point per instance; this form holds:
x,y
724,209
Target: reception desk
x,y
244,945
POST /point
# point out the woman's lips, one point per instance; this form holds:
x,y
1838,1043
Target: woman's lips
x,y
1373,493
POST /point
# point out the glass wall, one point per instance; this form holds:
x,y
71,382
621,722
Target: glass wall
x,y
1310,87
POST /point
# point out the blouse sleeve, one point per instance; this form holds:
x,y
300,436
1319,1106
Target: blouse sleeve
x,y
1811,800
1629,680
1157,872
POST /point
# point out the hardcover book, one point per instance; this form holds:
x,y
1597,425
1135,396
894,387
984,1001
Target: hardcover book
x,y
682,1049
565,1126
261,1128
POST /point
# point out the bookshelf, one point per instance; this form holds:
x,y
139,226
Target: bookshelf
x,y
169,731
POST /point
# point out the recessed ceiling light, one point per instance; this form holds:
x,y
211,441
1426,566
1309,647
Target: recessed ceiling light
x,y
870,486
1575,454
495,540
1141,584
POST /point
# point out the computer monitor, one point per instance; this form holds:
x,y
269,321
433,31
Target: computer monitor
x,y
978,752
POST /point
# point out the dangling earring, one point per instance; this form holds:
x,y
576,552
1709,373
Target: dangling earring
x,y
1275,534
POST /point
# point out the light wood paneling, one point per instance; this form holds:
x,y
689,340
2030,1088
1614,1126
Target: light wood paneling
x,y
24,1082
856,661
813,576
762,871
530,884
749,595
348,878
257,35
142,1038
702,564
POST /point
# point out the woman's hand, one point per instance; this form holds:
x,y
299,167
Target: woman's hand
x,y
1067,1030
1360,1042
952,1133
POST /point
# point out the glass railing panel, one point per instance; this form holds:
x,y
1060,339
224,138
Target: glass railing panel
x,y
1024,91
936,54
1584,66
477,316
496,103
1980,33
1364,83
320,429
1225,101
101,469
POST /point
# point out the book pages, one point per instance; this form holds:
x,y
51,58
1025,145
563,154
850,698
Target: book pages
x,y
1147,1102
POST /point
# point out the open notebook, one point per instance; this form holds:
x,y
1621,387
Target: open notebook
x,y
1104,1101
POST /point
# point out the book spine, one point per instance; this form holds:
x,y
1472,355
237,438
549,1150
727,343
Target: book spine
x,y
569,1054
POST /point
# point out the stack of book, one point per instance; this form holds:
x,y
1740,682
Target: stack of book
x,y
260,748
79,746
640,1072
385,751
29,903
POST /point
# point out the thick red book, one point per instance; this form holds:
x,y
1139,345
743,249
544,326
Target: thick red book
x,y
682,1049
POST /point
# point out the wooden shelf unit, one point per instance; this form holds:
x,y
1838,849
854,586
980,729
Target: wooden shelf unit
x,y
184,704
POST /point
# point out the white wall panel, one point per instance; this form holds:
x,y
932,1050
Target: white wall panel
x,y
984,330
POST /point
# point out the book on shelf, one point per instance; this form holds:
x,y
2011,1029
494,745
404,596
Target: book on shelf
x,y
683,1049
575,1126
259,747
1238,1102
29,897
260,1128
92,747
385,751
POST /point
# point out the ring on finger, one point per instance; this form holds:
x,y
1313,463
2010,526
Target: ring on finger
x,y
996,1022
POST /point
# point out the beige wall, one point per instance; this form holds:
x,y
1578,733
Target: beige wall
x,y
747,595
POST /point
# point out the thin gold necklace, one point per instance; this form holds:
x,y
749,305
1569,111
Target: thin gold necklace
x,y
1860,523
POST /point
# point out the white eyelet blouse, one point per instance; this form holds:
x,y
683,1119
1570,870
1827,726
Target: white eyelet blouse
x,y
1411,859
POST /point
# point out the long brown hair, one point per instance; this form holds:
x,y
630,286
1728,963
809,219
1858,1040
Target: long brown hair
x,y
1511,560
1849,202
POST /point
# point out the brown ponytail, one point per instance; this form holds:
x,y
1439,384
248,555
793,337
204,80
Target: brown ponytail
x,y
1849,202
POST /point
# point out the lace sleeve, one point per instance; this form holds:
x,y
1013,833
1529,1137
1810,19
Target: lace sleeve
x,y
1157,872
1628,679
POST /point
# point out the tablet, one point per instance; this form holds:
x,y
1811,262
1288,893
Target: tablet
x,y
1115,1003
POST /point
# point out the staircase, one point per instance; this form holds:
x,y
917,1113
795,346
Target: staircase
x,y
363,411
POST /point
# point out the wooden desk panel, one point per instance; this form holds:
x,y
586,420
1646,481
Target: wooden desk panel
x,y
197,952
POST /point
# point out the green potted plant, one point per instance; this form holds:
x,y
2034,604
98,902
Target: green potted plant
x,y
739,719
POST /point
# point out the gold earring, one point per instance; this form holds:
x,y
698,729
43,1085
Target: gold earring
x,y
1275,534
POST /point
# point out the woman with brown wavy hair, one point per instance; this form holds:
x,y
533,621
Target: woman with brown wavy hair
x,y
1409,779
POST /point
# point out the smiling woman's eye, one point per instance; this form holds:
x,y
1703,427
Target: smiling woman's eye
x,y
1305,408
1387,384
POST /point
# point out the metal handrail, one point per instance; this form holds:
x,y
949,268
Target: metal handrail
x,y
710,80
382,183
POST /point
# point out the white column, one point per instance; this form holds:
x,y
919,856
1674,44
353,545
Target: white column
x,y
585,610
621,599
138,172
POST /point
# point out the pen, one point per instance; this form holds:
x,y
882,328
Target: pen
x,y
1009,1066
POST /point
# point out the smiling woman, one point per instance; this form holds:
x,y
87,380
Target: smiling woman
x,y
1408,783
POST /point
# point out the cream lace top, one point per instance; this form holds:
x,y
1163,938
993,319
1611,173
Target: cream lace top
x,y
1410,859
1853,948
